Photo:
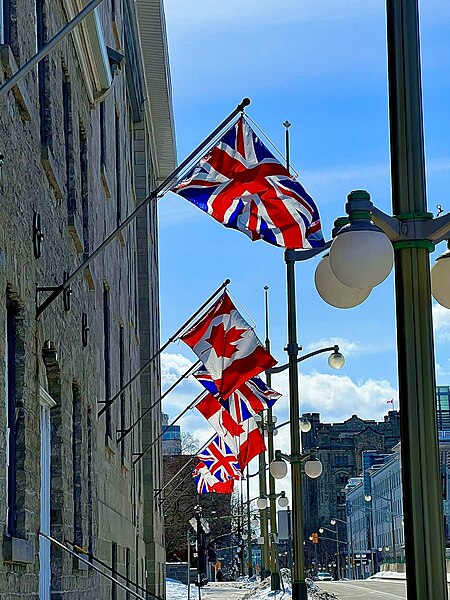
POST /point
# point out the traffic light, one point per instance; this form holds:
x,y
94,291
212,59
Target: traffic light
x,y
315,538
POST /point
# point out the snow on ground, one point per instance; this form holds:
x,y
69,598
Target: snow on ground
x,y
175,590
263,592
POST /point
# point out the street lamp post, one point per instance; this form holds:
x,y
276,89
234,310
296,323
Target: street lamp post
x,y
413,232
338,562
334,521
368,498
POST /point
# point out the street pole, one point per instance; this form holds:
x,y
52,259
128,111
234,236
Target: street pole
x,y
263,520
338,565
249,529
394,551
422,497
274,574
299,590
188,566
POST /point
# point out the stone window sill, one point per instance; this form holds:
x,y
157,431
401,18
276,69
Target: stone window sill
x,y
18,551
74,231
105,181
48,162
79,566
19,91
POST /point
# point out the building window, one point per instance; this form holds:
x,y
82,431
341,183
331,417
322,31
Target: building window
x,y
84,190
342,479
107,357
102,134
114,570
90,522
77,452
127,572
10,381
121,384
68,142
4,21
118,171
341,460
44,78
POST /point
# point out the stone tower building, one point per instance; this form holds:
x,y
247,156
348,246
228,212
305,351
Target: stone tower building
x,y
84,137
340,447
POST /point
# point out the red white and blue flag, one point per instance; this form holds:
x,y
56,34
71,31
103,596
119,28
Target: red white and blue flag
x,y
228,346
252,397
243,186
207,482
220,420
220,460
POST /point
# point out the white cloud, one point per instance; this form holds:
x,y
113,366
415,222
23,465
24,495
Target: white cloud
x,y
441,323
337,397
346,347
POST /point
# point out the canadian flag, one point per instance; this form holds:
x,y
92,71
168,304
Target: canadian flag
x,y
244,439
251,442
228,346
220,420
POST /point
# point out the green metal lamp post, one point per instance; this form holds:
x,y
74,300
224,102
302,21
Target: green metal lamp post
x,y
412,233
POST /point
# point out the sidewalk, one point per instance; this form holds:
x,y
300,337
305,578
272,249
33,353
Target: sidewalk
x,y
395,575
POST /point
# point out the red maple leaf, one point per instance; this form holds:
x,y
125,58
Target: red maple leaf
x,y
224,341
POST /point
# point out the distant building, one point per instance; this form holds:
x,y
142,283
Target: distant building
x,y
375,527
340,448
443,408
171,439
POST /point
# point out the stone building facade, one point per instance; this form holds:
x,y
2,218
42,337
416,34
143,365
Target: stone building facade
x,y
84,137
340,447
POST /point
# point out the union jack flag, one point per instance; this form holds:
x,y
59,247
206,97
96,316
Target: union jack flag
x,y
207,482
250,398
220,460
243,186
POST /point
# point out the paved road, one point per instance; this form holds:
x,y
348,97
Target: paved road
x,y
370,589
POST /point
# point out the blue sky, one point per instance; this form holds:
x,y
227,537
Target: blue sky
x,y
322,66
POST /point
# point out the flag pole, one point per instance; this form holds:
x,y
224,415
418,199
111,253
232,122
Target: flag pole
x,y
125,432
162,188
158,492
274,573
139,455
163,347
48,47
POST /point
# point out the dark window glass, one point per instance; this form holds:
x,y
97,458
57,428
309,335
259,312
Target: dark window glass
x,y
107,356
121,384
77,442
118,171
84,191
114,570
11,417
102,134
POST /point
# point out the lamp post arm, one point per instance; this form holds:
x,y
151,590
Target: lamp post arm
x,y
281,368
300,255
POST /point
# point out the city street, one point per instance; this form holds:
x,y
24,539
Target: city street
x,y
373,589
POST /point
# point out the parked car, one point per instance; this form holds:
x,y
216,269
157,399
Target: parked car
x,y
323,576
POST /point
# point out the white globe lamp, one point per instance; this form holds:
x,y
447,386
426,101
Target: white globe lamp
x,y
336,360
278,469
361,255
333,291
313,468
440,280
305,425
283,501
262,503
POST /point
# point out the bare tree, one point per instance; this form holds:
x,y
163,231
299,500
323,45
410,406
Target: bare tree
x,y
189,443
